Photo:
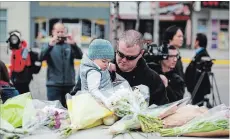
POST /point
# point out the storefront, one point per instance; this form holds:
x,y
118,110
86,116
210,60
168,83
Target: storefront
x,y
83,20
213,20
171,13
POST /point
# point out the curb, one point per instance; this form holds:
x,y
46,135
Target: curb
x,y
184,60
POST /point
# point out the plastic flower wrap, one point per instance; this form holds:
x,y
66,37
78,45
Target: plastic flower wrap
x,y
131,104
85,112
209,124
44,113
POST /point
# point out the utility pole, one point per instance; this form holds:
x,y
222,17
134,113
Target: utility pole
x,y
115,22
138,16
156,23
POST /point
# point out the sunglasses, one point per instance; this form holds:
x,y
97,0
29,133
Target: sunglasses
x,y
127,57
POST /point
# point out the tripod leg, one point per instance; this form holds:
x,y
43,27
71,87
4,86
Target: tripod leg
x,y
217,90
212,90
197,86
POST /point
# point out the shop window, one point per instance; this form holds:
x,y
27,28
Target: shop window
x,y
3,25
129,24
202,25
100,31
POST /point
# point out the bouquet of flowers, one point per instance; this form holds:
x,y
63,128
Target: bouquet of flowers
x,y
45,113
132,105
215,122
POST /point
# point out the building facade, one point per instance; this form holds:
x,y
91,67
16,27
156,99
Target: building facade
x,y
83,20
213,20
14,15
170,13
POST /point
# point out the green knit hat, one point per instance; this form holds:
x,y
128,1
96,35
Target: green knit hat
x,y
100,49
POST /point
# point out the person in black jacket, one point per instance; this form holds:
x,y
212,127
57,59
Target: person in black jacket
x,y
193,71
173,35
132,67
175,88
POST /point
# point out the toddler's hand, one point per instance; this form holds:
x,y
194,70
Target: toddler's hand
x,y
112,67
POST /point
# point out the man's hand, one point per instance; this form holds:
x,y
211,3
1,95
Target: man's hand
x,y
53,41
164,80
112,67
70,40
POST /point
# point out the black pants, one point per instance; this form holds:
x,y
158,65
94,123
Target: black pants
x,y
58,93
22,87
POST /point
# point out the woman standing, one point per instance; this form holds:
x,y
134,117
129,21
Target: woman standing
x,y
174,36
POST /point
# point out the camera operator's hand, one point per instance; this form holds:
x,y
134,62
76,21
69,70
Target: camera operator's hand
x,y
53,41
70,40
164,80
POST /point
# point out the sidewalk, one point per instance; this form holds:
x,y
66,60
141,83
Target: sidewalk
x,y
215,54
221,56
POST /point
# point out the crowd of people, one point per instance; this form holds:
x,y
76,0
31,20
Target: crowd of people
x,y
166,81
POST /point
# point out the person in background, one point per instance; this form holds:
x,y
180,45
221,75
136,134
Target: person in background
x,y
173,35
59,54
193,71
6,89
20,64
175,88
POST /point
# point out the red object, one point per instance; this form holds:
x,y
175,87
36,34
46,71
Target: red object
x,y
3,83
24,44
17,62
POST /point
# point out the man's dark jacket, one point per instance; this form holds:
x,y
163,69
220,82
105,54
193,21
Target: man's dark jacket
x,y
176,85
142,74
179,68
192,76
60,60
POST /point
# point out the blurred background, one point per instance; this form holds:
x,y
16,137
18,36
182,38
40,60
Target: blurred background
x,y
87,20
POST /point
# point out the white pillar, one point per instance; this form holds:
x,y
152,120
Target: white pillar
x,y
156,23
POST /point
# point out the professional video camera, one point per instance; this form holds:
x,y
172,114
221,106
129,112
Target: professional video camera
x,y
205,64
14,39
156,53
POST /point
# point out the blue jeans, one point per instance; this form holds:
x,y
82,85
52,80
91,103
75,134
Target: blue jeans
x,y
58,93
8,92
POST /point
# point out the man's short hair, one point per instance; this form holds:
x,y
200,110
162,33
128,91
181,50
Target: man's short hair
x,y
132,37
169,33
202,39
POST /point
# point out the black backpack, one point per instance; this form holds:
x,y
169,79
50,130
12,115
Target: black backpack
x,y
36,64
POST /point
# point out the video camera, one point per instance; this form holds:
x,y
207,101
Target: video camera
x,y
156,53
14,39
205,64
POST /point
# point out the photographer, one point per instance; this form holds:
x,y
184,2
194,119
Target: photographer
x,y
59,54
20,73
194,70
175,88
